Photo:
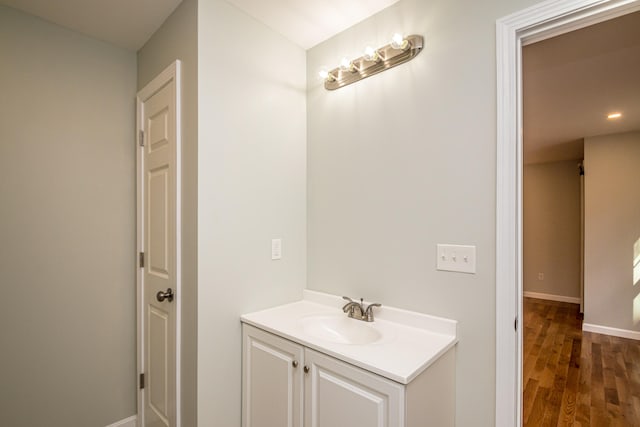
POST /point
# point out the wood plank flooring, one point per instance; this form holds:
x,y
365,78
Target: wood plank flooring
x,y
575,378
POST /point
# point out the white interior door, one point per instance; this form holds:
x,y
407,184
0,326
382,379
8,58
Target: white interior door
x,y
158,242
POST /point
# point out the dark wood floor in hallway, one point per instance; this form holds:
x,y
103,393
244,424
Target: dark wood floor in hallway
x,y
575,378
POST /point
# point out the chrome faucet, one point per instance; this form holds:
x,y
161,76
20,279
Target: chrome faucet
x,y
357,310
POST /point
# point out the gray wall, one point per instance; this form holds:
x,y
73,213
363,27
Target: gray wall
x,y
177,39
67,227
612,227
404,160
251,176
551,228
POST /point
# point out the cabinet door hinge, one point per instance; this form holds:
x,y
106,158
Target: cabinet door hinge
x,y
141,259
515,324
141,138
141,381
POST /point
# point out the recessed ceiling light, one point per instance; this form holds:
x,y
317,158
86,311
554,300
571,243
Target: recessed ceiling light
x,y
614,116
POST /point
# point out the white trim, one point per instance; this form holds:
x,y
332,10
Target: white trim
x,y
127,422
139,275
606,330
171,73
612,9
582,238
541,21
551,297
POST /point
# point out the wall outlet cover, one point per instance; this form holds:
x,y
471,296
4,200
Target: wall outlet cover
x,y
276,249
459,258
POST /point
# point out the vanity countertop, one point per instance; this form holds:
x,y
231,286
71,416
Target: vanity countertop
x,y
398,345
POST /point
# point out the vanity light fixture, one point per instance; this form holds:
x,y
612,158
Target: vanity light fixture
x,y
614,116
400,50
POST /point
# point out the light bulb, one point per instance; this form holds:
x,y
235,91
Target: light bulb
x,y
370,54
346,64
325,75
614,116
398,42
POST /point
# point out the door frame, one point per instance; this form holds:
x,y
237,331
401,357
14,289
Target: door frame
x,y
536,23
167,76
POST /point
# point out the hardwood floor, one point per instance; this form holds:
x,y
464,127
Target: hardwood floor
x,y
575,378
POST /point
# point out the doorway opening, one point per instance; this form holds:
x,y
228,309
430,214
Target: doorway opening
x,y
537,23
571,84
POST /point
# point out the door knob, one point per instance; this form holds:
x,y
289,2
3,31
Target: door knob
x,y
161,296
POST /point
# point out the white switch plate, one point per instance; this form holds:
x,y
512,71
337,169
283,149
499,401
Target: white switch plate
x,y
276,248
456,258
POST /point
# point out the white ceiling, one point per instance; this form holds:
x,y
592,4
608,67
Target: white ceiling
x,y
130,23
571,82
124,23
309,22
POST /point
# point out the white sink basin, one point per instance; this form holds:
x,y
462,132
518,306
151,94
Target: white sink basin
x,y
398,345
340,330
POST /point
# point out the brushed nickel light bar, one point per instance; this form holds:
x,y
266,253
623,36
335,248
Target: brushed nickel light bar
x,y
400,50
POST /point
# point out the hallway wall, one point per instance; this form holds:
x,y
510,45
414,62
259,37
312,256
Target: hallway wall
x,y
551,228
67,226
612,228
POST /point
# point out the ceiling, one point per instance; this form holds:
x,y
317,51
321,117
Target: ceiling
x,y
124,23
571,82
309,22
130,23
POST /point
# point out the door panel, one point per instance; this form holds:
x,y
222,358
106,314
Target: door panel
x,y
158,128
158,249
157,368
340,402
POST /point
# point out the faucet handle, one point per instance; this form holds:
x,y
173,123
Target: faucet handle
x,y
370,307
347,299
368,313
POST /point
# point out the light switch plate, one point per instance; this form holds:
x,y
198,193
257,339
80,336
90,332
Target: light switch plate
x,y
276,249
459,258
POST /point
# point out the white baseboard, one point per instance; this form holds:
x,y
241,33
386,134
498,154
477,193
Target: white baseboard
x,y
606,330
551,297
127,422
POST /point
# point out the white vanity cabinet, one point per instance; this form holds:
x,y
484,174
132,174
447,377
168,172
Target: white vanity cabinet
x,y
286,384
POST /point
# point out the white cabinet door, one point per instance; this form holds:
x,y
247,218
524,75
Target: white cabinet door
x,y
272,380
338,394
